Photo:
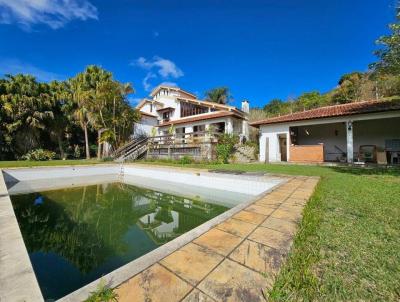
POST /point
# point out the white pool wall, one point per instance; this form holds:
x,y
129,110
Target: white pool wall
x,y
250,185
233,183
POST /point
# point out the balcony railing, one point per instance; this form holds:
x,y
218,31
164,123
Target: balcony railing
x,y
191,138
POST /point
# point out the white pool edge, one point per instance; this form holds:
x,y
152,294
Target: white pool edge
x,y
17,278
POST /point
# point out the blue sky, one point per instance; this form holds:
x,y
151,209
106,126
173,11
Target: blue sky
x,y
260,49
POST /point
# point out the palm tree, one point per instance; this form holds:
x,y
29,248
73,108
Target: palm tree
x,y
81,112
26,108
219,95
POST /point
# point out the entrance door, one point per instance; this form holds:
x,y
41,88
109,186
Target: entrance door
x,y
283,146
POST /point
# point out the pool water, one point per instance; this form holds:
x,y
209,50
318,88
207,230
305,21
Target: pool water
x,y
76,235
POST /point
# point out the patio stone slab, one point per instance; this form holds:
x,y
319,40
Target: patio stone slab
x,y
197,296
234,282
280,225
296,202
259,257
272,238
192,262
273,200
267,205
251,217
294,216
260,209
154,284
237,227
218,241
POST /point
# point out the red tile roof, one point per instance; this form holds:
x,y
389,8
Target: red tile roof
x,y
332,111
201,117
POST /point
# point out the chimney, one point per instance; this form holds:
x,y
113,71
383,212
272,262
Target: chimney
x,y
245,106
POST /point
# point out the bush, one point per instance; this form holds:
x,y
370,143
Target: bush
x,y
226,147
39,155
107,158
102,294
186,160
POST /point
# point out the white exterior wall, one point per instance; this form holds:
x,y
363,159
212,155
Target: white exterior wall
x,y
272,132
144,126
170,101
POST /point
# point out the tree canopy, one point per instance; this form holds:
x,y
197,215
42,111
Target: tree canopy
x,y
49,115
219,95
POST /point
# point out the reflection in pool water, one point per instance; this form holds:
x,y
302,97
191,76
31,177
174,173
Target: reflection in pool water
x,y
76,235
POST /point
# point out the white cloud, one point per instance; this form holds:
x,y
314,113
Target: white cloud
x,y
13,66
146,80
54,13
164,67
158,67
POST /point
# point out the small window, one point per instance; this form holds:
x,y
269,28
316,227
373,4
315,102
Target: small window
x,y
166,116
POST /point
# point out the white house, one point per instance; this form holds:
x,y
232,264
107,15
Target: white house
x,y
355,132
187,114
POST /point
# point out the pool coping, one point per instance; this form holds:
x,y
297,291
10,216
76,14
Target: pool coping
x,y
19,281
17,278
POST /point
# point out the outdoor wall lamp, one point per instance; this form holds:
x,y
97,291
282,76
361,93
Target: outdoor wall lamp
x,y
349,126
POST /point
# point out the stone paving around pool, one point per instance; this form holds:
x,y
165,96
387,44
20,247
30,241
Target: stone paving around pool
x,y
236,260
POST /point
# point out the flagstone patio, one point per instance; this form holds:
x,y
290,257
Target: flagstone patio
x,y
236,260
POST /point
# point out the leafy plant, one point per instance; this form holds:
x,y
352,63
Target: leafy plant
x,y
39,155
153,132
102,294
186,160
226,147
171,130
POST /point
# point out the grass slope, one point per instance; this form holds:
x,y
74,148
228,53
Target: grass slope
x,y
348,244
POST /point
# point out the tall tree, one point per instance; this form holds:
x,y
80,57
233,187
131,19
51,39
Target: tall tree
x,y
219,95
81,112
26,107
389,54
62,107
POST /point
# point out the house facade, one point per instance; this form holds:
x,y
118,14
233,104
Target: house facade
x,y
355,132
174,108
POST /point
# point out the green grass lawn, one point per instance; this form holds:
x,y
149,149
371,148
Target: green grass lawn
x,y
69,162
348,244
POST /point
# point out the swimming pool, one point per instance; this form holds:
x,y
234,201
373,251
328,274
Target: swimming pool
x,y
79,224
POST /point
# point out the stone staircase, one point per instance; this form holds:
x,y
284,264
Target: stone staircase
x,y
244,154
132,150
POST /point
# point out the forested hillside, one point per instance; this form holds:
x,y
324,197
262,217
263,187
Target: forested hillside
x,y
381,81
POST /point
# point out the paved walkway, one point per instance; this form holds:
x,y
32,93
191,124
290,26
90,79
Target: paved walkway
x,y
235,261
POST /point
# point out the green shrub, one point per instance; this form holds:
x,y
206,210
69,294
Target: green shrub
x,y
107,158
39,155
186,160
102,294
226,147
